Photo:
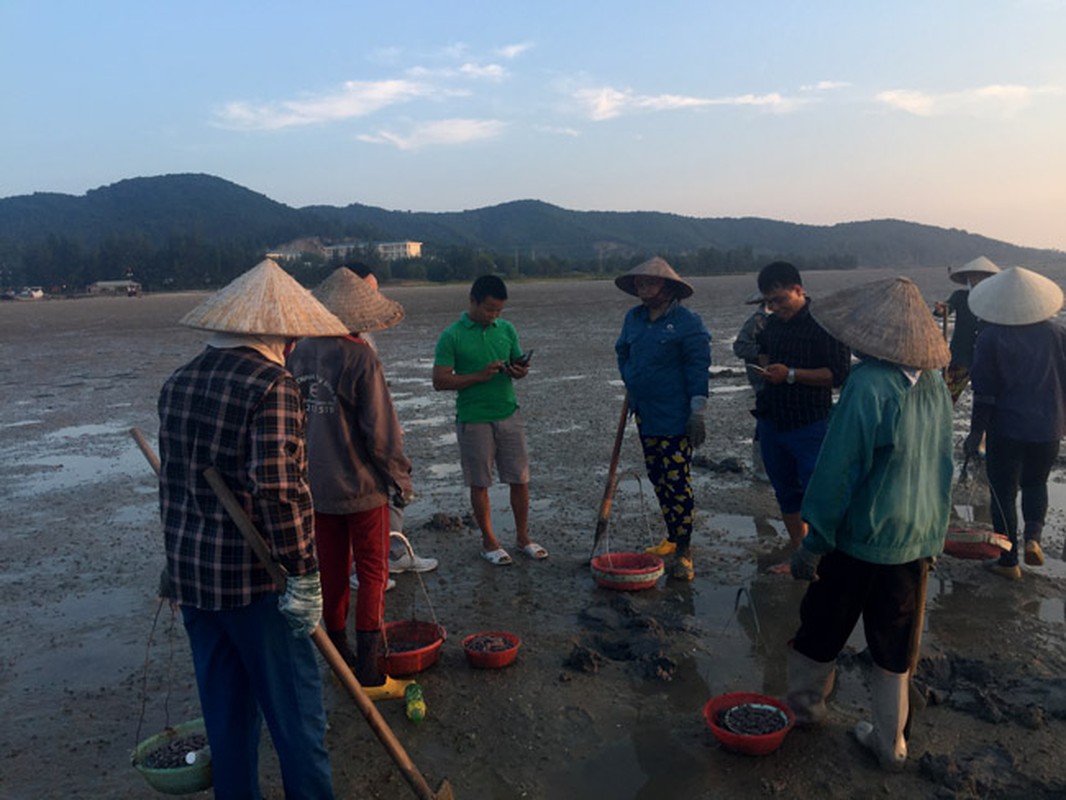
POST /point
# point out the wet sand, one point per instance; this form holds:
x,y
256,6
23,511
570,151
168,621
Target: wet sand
x,y
605,697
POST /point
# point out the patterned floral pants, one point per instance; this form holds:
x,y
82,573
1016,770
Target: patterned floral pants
x,y
668,460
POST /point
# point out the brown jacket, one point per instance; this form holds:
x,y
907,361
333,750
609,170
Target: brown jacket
x,y
354,442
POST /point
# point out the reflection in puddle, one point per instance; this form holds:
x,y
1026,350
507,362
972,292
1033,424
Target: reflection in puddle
x,y
567,429
1051,610
84,430
52,473
444,470
426,422
729,389
415,401
414,381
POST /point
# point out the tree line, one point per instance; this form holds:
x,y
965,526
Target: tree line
x,y
64,265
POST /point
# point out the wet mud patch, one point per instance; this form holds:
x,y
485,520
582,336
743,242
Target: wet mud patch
x,y
646,642
988,771
1000,692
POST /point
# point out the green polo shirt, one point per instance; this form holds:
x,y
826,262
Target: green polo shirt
x,y
467,347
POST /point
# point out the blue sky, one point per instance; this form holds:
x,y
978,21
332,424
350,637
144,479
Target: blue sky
x,y
947,113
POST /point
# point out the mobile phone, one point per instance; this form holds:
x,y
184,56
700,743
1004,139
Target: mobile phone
x,y
523,360
757,368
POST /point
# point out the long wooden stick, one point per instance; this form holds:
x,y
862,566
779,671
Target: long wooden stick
x,y
329,652
146,449
319,636
608,491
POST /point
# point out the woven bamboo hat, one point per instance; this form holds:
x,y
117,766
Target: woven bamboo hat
x,y
265,300
979,266
357,304
653,268
886,319
1016,296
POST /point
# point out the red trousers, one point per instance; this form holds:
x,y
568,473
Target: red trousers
x,y
364,536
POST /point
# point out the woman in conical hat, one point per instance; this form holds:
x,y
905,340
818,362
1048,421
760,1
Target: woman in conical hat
x,y
664,356
877,506
1019,399
234,407
356,467
967,326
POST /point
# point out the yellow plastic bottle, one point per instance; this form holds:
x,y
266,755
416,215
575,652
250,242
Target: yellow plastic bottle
x,y
414,702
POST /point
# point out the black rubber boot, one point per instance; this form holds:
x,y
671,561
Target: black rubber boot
x,y
376,684
340,641
368,655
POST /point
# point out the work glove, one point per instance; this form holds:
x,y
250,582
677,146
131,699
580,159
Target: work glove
x,y
696,428
166,589
301,603
401,498
972,446
804,564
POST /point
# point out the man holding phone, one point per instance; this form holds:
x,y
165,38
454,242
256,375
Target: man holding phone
x,y
479,358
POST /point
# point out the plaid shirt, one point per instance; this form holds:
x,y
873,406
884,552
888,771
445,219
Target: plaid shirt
x,y
243,414
803,344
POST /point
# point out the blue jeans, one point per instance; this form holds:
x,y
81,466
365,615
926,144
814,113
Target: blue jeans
x,y
250,666
789,458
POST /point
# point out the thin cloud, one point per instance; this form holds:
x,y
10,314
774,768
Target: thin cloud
x,y
492,72
354,99
995,100
513,50
440,132
607,102
559,130
825,86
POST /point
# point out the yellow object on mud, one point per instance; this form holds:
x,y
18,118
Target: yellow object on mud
x,y
663,548
391,689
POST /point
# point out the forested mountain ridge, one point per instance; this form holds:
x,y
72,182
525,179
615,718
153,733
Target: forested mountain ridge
x,y
200,230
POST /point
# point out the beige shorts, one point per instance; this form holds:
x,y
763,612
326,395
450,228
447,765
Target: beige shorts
x,y
481,444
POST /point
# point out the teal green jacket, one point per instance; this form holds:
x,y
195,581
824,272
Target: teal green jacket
x,y
881,489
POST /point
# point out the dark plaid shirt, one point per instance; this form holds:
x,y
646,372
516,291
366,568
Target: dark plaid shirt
x,y
238,411
800,343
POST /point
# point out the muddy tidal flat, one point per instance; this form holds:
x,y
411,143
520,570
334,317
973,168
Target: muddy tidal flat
x,y
605,697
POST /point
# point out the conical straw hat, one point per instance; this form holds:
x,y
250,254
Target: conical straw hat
x,y
653,268
265,300
357,304
1016,296
885,319
979,266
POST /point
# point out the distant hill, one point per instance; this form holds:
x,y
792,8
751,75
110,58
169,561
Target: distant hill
x,y
191,230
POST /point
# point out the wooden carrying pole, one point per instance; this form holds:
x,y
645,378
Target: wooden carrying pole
x,y
319,636
608,491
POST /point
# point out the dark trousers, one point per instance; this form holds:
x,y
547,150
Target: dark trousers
x,y
249,667
1012,465
888,597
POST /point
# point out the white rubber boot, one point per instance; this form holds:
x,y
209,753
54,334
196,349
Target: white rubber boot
x,y
809,684
888,702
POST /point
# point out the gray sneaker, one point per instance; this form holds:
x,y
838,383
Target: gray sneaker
x,y
409,563
354,583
